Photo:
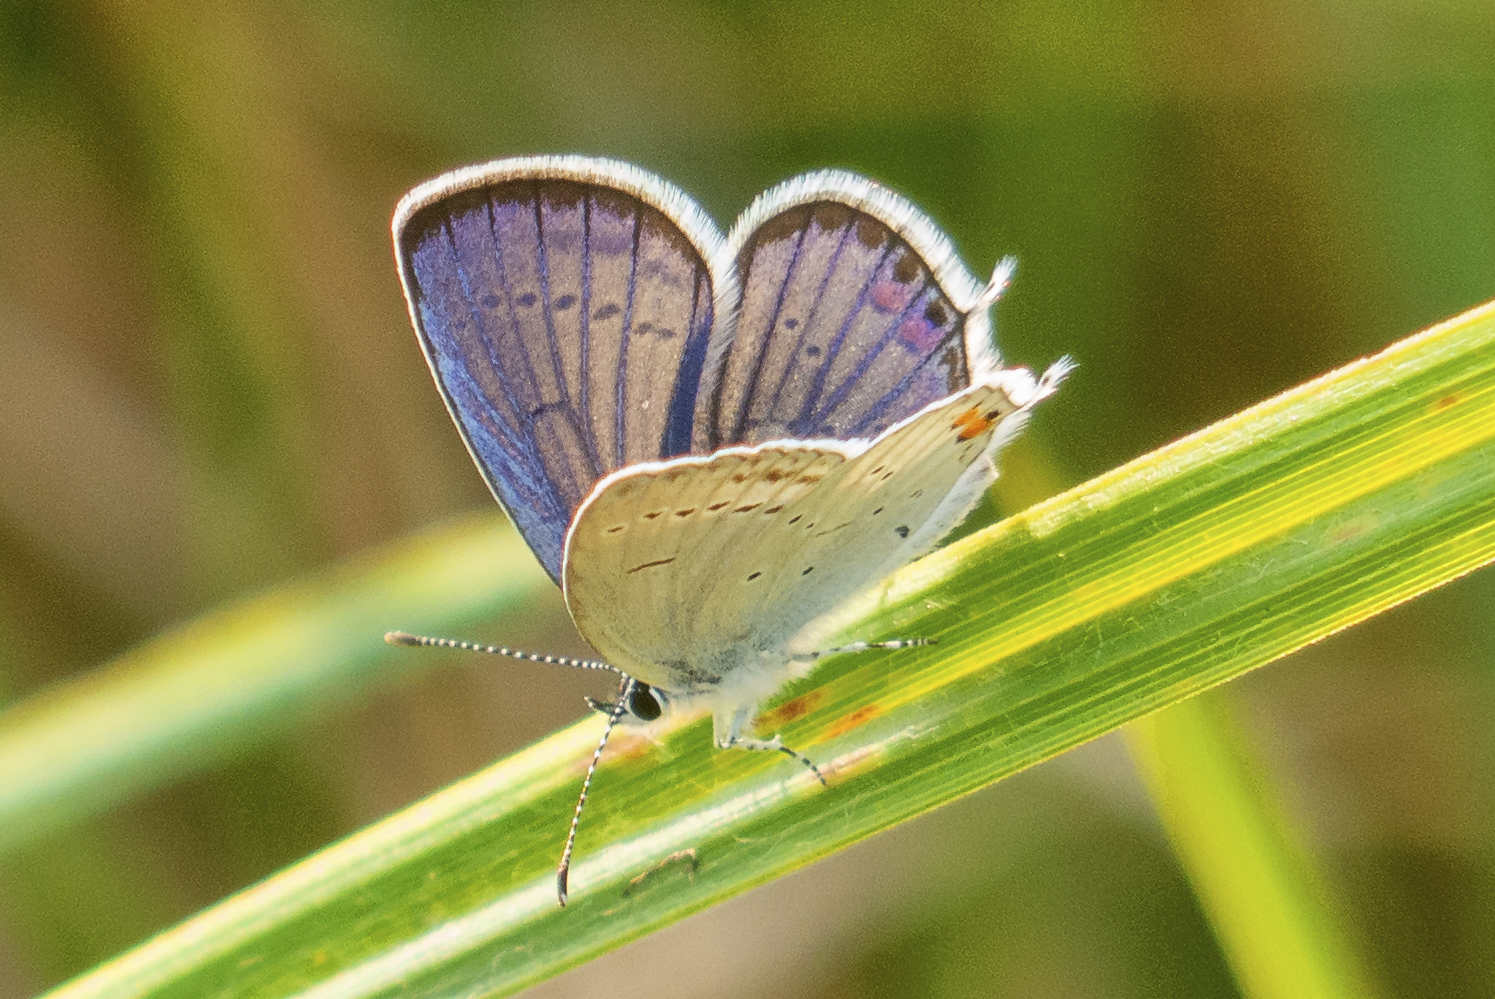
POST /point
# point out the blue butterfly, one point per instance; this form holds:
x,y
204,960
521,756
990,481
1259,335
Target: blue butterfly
x,y
708,441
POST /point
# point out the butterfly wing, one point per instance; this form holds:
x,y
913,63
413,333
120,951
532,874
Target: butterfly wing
x,y
696,574
855,313
564,305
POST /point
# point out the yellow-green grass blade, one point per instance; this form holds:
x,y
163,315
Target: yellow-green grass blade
x,y
1248,868
1184,569
184,700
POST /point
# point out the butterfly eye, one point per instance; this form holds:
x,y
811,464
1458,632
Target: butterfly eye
x,y
642,703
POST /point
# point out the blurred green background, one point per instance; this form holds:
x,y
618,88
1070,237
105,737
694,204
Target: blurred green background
x,y
208,385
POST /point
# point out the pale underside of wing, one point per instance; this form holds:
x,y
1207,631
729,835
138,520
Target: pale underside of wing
x,y
566,323
695,575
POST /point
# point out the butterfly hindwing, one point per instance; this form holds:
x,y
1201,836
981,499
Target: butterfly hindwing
x,y
685,571
564,306
855,314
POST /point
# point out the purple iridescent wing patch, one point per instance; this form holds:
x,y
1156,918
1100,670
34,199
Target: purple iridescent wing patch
x,y
843,331
566,321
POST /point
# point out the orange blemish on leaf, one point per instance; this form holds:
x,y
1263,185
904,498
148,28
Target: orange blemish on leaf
x,y
630,746
857,718
1446,401
795,707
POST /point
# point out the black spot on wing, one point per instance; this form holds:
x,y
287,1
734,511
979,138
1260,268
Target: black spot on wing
x,y
651,565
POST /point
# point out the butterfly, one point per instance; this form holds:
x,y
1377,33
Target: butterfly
x,y
708,441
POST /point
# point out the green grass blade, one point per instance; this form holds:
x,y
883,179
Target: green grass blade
x,y
1177,572
183,701
1245,863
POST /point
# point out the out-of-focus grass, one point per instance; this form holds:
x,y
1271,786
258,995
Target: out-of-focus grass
x,y
185,701
1209,205
1246,863
1232,547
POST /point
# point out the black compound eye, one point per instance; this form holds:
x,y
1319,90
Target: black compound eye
x,y
641,702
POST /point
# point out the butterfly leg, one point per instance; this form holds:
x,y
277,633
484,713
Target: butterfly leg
x,y
895,643
729,736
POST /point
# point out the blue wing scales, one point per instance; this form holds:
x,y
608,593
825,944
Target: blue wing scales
x,y
855,314
565,320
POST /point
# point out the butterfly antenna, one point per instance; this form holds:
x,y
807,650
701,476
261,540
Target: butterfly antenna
x,y
405,638
1001,277
563,871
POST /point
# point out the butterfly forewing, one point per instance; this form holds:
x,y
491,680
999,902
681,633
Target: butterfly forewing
x,y
687,570
846,325
566,320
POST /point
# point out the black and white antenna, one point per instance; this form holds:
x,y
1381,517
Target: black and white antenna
x,y
625,695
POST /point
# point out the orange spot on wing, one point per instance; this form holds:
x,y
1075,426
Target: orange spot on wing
x,y
970,423
857,718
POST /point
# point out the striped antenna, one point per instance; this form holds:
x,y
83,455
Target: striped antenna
x,y
563,872
625,692
405,638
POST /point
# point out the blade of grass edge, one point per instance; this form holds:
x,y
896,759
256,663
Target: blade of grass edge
x,y
1181,570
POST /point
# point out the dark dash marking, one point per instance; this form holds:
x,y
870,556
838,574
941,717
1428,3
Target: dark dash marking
x,y
686,512
774,509
650,565
616,528
745,509
877,511
717,506
906,268
607,311
808,571
754,576
653,514
795,517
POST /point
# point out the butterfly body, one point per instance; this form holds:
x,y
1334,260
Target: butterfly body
x,y
709,441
